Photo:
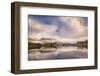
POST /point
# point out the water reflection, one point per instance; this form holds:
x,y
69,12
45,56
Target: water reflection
x,y
69,52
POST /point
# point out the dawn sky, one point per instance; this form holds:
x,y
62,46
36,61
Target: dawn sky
x,y
58,27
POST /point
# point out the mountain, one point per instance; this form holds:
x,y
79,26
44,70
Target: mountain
x,y
47,39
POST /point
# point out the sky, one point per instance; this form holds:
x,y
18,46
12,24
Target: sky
x,y
69,28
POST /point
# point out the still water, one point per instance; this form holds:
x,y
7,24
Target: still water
x,y
57,53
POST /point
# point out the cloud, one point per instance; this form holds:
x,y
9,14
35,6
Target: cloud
x,y
76,27
39,29
70,28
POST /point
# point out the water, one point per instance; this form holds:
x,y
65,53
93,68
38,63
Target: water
x,y
57,53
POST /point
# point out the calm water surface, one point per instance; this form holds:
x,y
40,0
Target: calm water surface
x,y
57,53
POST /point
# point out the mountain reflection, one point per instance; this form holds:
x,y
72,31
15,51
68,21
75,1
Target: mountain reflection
x,y
51,49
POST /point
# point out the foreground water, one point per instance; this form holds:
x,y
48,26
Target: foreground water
x,y
57,53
